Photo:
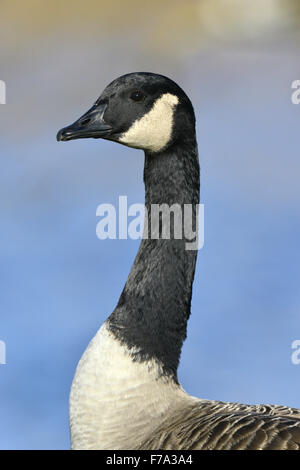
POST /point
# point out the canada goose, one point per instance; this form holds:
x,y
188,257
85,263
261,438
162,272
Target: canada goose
x,y
125,393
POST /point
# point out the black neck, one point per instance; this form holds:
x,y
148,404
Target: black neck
x,y
154,306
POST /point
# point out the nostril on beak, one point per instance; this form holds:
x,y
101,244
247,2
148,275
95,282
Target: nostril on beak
x,y
85,121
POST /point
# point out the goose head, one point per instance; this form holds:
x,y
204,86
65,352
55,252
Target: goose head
x,y
141,110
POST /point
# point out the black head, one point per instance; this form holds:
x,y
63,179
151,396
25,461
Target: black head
x,y
141,110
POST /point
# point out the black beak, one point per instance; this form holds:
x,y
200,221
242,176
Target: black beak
x,y
91,124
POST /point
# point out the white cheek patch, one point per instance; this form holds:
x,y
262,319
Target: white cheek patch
x,y
153,131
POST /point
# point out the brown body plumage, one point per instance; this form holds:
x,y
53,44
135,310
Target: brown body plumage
x,y
214,425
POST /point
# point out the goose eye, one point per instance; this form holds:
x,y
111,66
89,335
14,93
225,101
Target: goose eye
x,y
137,95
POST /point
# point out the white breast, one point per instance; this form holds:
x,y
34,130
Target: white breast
x,y
153,131
116,403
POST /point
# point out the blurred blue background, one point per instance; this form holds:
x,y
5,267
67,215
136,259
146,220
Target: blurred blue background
x,y
236,60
